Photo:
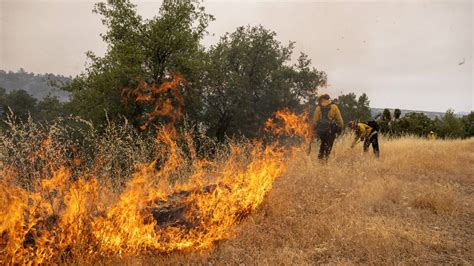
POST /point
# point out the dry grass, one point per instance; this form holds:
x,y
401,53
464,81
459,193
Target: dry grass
x,y
413,205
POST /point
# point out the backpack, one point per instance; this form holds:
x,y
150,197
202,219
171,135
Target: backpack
x,y
374,125
324,124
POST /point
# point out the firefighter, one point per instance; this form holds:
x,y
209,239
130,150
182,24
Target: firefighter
x,y
368,133
327,123
432,136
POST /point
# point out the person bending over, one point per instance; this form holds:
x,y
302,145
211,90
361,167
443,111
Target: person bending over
x,y
368,133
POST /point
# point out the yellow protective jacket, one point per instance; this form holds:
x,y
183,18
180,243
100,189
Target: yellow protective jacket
x,y
363,131
334,114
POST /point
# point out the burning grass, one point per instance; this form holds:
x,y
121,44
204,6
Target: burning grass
x,y
414,205
59,211
58,206
156,199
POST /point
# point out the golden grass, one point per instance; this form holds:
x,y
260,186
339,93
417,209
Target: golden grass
x,y
415,205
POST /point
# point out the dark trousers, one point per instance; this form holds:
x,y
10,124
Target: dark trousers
x,y
327,140
374,140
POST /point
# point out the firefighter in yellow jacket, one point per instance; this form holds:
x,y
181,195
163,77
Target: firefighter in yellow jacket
x,y
327,123
368,133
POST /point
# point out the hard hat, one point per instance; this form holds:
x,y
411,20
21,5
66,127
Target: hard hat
x,y
323,96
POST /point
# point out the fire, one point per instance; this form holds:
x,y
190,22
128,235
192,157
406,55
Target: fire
x,y
66,216
291,124
165,99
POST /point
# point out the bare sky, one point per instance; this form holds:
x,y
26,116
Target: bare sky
x,y
403,54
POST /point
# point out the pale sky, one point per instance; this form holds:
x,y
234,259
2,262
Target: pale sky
x,y
403,54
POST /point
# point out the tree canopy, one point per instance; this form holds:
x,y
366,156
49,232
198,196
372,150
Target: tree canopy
x,y
249,78
230,88
353,108
140,49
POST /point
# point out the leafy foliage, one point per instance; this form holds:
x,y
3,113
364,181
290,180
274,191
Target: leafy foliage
x,y
139,49
249,78
230,89
468,124
397,113
416,123
449,126
23,105
18,101
353,108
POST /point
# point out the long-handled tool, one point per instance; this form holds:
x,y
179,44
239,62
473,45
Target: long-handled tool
x,y
310,142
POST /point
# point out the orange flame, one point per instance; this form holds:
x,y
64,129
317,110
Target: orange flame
x,y
66,216
166,99
290,124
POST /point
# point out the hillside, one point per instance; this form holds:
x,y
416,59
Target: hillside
x,y
407,207
431,115
37,85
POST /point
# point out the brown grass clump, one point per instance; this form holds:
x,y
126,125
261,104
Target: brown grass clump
x,y
439,199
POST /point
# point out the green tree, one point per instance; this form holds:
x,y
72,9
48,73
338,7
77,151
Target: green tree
x,y
3,94
397,113
3,106
385,121
386,115
353,108
449,126
140,49
395,125
415,123
363,107
249,78
468,124
50,108
21,103
348,105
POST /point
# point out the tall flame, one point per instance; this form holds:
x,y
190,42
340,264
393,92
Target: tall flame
x,y
66,216
289,124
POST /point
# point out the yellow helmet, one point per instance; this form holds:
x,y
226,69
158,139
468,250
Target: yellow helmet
x,y
323,96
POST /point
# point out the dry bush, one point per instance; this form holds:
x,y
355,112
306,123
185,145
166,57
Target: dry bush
x,y
112,153
34,149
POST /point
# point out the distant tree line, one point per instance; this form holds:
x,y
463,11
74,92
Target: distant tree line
x,y
417,123
355,108
23,105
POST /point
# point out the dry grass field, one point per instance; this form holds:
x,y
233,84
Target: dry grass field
x,y
415,205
